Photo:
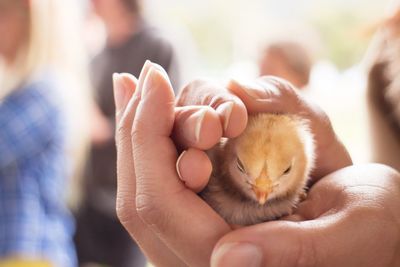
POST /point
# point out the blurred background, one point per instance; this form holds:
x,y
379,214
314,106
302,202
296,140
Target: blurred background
x,y
223,39
321,46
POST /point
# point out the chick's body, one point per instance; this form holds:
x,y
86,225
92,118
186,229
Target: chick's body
x,y
260,175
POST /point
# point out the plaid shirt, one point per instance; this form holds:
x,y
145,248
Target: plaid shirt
x,y
34,221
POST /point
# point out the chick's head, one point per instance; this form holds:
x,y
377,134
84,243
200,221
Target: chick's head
x,y
272,158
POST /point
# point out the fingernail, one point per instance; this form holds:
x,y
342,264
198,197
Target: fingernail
x,y
237,255
199,122
225,110
120,91
178,163
193,125
143,74
255,91
162,70
150,81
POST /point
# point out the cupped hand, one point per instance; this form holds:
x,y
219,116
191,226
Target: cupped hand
x,y
350,218
273,95
171,224
155,198
231,104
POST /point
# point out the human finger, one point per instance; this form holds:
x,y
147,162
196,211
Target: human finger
x,y
126,100
265,95
197,127
163,202
273,95
355,224
124,87
194,169
232,112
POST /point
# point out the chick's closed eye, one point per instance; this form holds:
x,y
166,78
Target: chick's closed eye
x,y
240,166
287,170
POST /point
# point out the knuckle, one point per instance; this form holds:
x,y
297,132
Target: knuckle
x,y
180,98
188,90
148,209
126,211
199,92
286,87
282,85
197,83
218,98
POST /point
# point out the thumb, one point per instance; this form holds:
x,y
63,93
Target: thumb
x,y
273,244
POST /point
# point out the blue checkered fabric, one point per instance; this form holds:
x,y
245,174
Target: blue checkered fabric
x,y
34,220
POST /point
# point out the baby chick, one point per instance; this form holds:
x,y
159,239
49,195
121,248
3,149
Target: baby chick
x,y
261,175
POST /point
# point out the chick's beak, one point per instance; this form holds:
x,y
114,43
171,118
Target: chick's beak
x,y
262,188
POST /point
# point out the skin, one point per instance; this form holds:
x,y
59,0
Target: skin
x,y
272,63
174,227
356,224
119,22
13,24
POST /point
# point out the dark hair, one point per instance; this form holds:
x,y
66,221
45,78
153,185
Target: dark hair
x,y
132,6
383,79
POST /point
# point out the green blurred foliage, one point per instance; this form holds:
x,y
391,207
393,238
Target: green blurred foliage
x,y
343,34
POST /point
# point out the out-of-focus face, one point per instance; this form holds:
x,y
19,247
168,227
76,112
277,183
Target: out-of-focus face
x,y
107,9
13,27
272,63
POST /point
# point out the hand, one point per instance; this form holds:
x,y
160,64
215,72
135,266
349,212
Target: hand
x,y
171,224
273,95
266,94
351,218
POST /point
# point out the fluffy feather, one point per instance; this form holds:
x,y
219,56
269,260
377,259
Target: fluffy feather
x,y
261,174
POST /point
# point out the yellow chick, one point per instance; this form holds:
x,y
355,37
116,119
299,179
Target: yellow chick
x,y
261,175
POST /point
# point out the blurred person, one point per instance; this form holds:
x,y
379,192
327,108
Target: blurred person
x,y
43,96
289,60
384,93
131,40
